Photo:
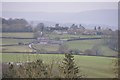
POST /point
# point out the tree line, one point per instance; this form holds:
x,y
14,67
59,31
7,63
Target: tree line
x,y
15,25
111,40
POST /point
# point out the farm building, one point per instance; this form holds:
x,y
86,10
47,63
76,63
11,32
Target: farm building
x,y
45,40
42,40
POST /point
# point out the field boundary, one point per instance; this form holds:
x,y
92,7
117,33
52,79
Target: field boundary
x,y
57,53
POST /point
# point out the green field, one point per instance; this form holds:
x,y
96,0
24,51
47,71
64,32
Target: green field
x,y
82,45
47,47
51,35
16,41
88,44
17,34
91,66
22,48
69,36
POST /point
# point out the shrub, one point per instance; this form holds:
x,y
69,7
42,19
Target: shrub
x,y
89,52
75,51
35,69
97,50
38,69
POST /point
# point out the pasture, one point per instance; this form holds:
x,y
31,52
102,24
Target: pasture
x,y
22,48
51,35
18,34
91,66
47,47
69,36
16,41
81,45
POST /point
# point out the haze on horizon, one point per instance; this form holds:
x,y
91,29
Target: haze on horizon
x,y
56,6
63,11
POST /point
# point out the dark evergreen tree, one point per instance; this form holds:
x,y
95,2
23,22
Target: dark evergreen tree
x,y
40,27
68,68
99,28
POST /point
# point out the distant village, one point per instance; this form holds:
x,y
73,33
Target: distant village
x,y
76,30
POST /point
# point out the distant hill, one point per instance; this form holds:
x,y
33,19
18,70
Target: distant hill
x,y
105,18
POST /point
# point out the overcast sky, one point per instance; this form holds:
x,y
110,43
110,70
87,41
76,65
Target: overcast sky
x,y
56,6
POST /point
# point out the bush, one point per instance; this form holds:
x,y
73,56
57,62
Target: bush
x,y
38,69
96,50
89,52
75,51
20,43
35,69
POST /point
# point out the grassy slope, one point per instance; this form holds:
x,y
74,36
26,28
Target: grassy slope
x,y
88,44
82,45
17,34
52,35
68,36
22,48
47,47
91,66
15,41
